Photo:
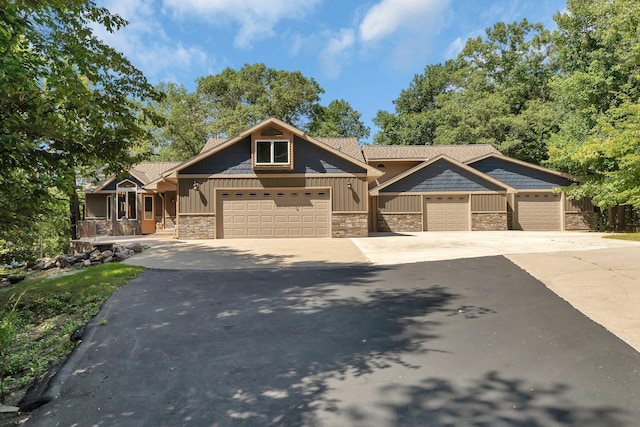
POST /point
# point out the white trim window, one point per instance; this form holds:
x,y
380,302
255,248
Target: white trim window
x,y
127,200
272,152
109,208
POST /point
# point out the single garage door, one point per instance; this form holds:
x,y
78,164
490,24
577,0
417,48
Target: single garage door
x,y
538,212
275,213
446,213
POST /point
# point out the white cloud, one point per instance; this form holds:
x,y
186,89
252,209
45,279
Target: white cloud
x,y
455,47
256,18
144,41
336,51
388,16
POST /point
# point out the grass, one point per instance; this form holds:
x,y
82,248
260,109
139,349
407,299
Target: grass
x,y
49,311
635,237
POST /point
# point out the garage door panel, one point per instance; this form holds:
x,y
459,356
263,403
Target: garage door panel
x,y
446,213
538,212
282,213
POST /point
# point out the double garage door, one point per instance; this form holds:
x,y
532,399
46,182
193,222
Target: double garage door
x,y
275,213
446,213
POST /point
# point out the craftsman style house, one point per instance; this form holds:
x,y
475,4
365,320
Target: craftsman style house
x,y
273,180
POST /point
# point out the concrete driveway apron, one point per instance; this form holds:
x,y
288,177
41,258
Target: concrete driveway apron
x,y
249,253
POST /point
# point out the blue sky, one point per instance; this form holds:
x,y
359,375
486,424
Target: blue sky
x,y
364,52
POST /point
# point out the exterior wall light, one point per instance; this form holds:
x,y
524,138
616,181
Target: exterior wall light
x,y
349,185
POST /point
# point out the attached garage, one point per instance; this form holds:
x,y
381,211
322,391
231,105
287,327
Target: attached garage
x,y
279,213
538,212
446,213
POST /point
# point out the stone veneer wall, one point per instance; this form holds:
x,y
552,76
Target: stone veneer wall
x,y
196,227
350,224
489,221
579,221
399,222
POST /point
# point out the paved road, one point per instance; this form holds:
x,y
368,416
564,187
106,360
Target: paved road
x,y
464,342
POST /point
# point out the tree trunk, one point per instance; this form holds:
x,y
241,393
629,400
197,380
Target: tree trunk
x,y
612,225
622,218
74,210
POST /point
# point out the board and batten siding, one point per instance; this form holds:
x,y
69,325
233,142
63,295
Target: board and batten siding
x,y
344,199
96,205
402,203
488,203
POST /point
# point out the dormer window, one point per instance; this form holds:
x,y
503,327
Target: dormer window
x,y
274,152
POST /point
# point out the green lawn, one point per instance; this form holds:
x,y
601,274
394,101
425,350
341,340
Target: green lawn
x,y
624,236
47,311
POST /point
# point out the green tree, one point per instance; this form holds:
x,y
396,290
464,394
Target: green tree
x,y
596,93
337,120
185,129
495,92
607,163
67,104
236,100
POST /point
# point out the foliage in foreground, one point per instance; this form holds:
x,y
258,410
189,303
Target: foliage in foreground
x,y
49,311
68,102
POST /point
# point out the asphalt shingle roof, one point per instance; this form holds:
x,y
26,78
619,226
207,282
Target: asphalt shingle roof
x,y
153,170
461,153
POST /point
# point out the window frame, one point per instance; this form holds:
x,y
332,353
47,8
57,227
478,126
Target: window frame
x,y
272,154
124,193
109,207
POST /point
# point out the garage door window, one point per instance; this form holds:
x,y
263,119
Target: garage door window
x,y
272,152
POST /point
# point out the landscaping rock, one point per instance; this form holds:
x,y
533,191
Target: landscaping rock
x,y
135,247
120,256
44,263
62,261
95,255
86,263
107,259
106,254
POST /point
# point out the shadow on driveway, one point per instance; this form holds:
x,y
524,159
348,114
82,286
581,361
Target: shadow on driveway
x,y
470,342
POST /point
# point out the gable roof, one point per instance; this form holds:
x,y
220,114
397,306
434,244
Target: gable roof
x,y
344,148
521,163
144,172
212,142
348,146
375,191
461,153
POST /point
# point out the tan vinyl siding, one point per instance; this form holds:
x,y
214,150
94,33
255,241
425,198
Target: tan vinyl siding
x,y
583,205
96,206
488,203
343,199
399,203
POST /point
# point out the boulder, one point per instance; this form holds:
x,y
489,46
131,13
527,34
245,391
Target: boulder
x,y
107,259
135,247
62,261
106,254
120,256
95,255
86,263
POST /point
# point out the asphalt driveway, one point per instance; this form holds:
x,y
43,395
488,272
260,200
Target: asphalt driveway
x,y
463,342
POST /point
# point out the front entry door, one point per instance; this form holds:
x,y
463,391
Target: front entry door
x,y
148,215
